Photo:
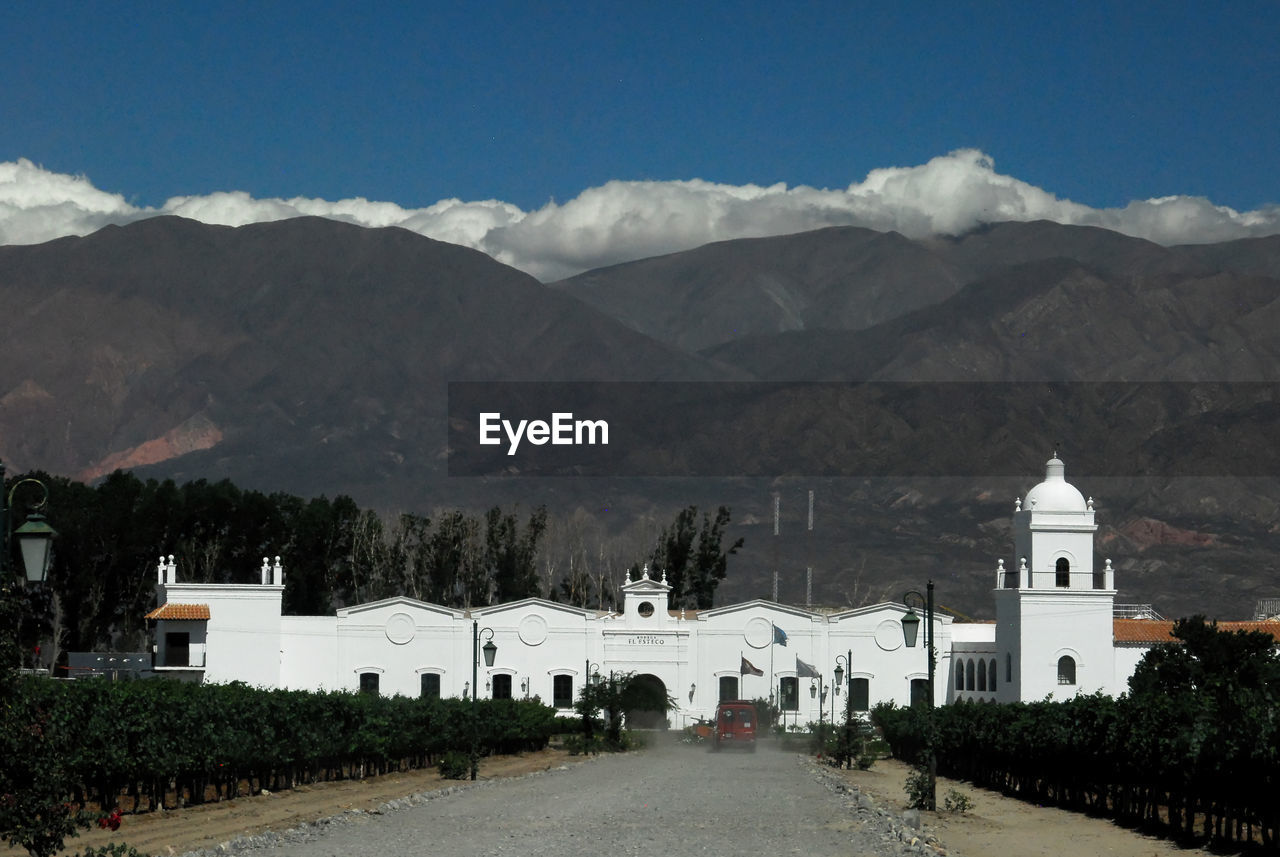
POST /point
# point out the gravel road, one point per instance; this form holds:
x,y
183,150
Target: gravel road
x,y
670,799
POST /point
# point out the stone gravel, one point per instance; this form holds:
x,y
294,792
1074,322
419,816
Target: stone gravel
x,y
670,798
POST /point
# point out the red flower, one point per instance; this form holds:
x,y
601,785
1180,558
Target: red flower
x,y
110,821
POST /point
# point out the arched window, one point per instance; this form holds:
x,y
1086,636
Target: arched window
x,y
369,683
860,691
789,693
728,687
430,686
1062,573
968,676
991,675
562,691
1066,670
959,676
982,676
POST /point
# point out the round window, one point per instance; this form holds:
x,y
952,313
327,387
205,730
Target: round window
x,y
646,609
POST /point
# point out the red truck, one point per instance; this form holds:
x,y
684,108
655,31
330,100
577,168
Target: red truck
x,y
735,725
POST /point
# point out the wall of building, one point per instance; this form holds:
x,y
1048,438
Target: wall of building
x,y
396,641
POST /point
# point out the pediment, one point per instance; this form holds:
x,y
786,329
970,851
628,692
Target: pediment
x,y
533,606
374,611
758,606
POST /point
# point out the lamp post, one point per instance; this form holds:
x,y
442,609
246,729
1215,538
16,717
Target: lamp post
x,y
817,691
490,652
35,536
844,666
590,680
910,631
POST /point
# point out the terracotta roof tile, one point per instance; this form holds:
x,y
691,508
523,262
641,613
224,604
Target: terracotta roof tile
x,y
1153,631
180,611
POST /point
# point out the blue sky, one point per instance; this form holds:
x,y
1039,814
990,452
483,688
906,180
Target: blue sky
x,y
1099,104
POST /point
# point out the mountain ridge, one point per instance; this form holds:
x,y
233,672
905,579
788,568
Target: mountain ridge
x,y
313,356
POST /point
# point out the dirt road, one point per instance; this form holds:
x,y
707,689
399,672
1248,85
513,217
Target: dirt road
x,y
206,827
675,797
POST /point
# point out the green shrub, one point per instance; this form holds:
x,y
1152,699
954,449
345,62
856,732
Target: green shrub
x,y
917,788
455,765
111,849
957,801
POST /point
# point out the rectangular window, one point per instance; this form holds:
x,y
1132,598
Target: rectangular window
x,y
502,687
789,693
919,691
177,649
860,693
369,682
430,686
562,691
728,687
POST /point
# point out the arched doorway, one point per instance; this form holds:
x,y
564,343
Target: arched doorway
x,y
646,702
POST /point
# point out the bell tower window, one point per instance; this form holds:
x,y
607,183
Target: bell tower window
x,y
1062,573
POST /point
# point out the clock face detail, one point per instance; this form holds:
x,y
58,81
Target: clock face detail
x,y
889,635
533,630
758,633
400,628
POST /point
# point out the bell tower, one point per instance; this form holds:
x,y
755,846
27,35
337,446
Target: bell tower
x,y
1054,607
644,603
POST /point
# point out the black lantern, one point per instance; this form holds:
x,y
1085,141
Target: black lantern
x,y
490,652
910,627
35,537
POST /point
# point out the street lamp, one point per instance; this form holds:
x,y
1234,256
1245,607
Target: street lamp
x,y
815,685
35,536
490,653
910,632
590,680
844,664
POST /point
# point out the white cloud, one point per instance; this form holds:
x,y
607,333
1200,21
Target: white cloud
x,y
624,220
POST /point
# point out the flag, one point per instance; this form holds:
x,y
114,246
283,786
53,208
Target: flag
x,y
779,636
803,670
749,669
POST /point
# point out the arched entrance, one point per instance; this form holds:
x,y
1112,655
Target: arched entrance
x,y
646,703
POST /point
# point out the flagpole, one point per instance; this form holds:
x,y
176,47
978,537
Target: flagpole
x,y
771,645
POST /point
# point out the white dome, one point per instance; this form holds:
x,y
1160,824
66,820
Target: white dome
x,y
1055,493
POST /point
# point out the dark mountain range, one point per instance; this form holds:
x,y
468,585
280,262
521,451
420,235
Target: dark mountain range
x,y
1053,319
847,278
842,277
305,354
313,357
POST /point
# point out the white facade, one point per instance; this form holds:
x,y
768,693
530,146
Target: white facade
x,y
1052,637
545,649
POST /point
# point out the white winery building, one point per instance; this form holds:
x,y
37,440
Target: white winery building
x,y
1056,634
